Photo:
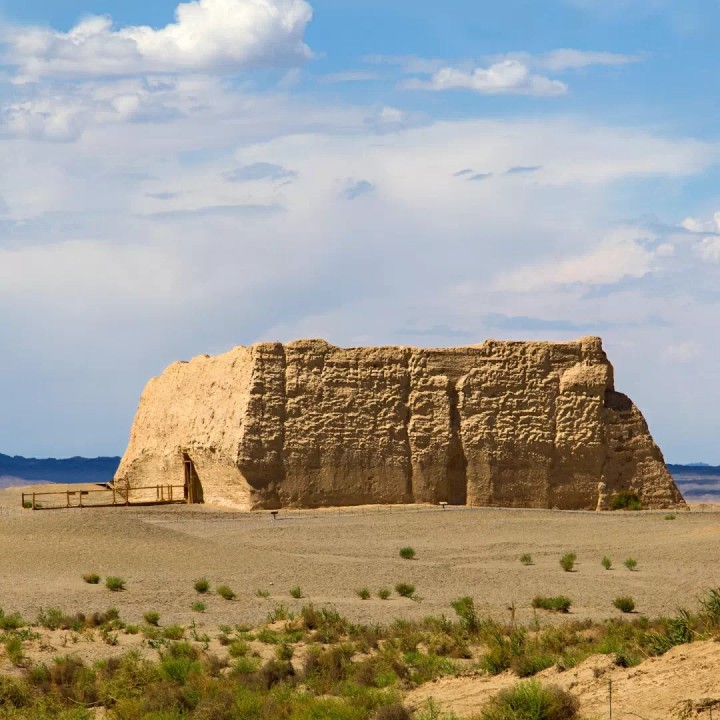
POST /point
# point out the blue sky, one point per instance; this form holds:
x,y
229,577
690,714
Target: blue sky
x,y
179,180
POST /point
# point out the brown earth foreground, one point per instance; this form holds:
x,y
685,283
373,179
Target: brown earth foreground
x,y
161,551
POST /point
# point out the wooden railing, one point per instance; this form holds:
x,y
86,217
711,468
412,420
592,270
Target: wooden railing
x,y
116,496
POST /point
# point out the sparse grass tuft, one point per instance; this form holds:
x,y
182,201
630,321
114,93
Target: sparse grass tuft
x,y
407,553
383,593
405,590
526,559
630,564
296,592
116,584
152,617
559,603
198,607
225,592
202,585
671,516
262,594
363,593
567,561
91,578
606,562
624,603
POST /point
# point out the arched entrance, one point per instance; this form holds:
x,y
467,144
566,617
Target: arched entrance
x,y
193,486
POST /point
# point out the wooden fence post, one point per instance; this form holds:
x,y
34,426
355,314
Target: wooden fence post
x,y
33,505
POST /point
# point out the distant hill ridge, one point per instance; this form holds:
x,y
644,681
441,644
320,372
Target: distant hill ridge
x,y
67,470
694,469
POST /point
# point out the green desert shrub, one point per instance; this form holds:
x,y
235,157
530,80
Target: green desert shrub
x,y
296,592
225,592
265,594
114,583
532,663
711,607
405,590
239,648
626,500
14,693
91,578
530,700
678,631
383,593
526,559
14,650
201,585
407,553
606,562
630,564
560,603
173,632
671,516
464,608
395,711
624,603
56,619
10,622
567,561
199,607
363,593
152,617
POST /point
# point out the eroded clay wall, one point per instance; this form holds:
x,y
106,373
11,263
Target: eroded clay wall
x,y
309,424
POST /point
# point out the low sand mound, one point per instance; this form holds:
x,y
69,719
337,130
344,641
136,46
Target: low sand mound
x,y
683,683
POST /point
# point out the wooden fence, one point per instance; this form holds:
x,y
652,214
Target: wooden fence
x,y
110,496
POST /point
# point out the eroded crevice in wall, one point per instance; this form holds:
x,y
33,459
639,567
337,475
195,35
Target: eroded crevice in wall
x,y
456,468
407,410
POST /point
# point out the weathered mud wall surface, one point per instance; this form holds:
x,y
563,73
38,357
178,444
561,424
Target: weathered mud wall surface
x,y
308,424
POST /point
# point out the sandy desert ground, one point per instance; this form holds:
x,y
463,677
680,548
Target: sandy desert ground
x,y
330,554
161,551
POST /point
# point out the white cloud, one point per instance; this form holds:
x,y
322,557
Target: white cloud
x,y
507,77
208,35
695,225
570,59
709,249
619,255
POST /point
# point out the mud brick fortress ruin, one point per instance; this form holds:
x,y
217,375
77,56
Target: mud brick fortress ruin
x,y
307,424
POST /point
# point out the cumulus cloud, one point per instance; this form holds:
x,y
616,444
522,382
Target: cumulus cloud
x,y
207,36
508,77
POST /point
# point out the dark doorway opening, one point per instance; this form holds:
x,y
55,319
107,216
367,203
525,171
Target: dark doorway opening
x,y
193,486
